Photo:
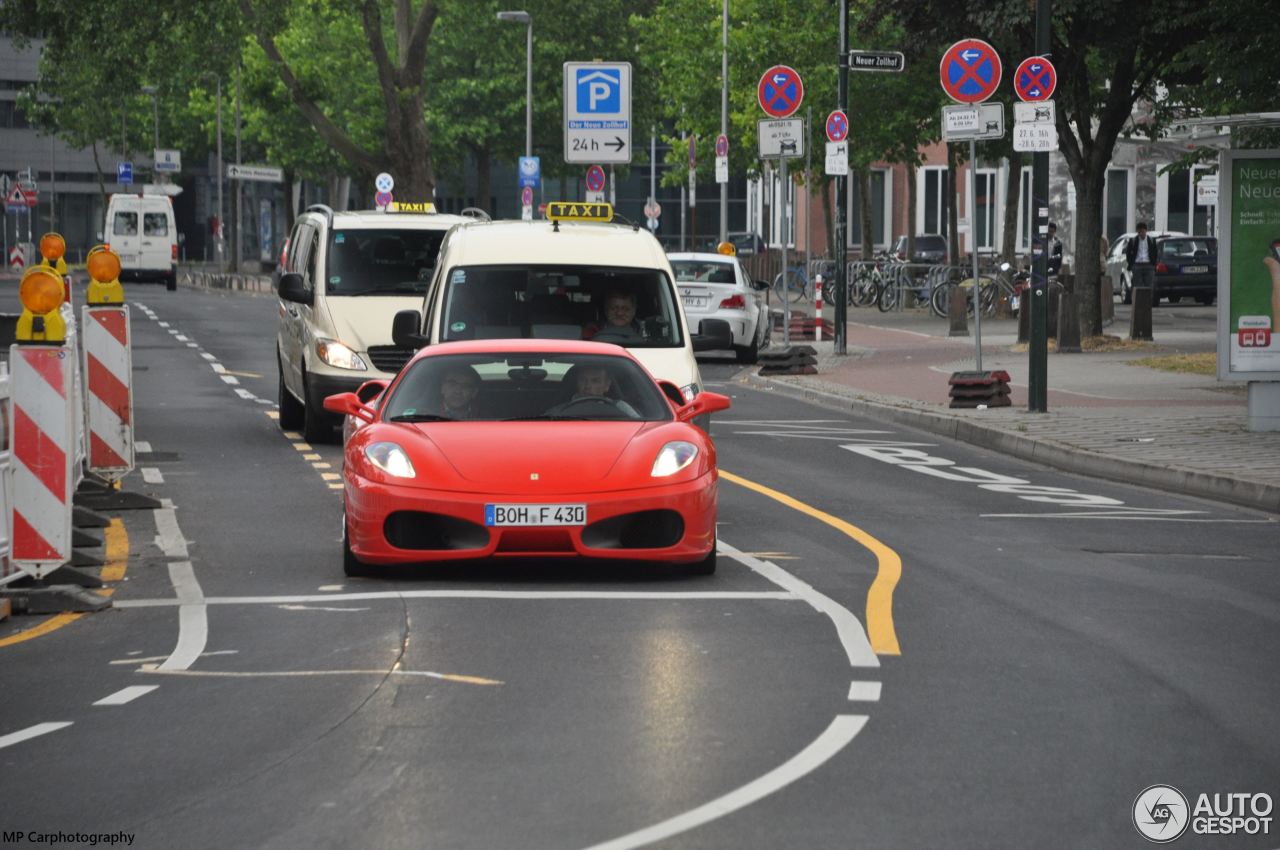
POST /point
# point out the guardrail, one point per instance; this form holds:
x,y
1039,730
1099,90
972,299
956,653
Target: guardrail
x,y
227,280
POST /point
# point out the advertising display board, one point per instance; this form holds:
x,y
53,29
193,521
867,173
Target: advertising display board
x,y
1249,266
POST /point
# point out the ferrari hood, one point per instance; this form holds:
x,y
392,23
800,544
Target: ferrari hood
x,y
536,458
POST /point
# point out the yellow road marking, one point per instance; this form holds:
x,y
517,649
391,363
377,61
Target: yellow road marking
x,y
242,374
880,631
272,414
116,543
302,447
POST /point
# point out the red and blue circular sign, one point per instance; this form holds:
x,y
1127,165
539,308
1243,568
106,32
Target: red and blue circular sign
x,y
595,178
970,71
526,196
1035,79
780,91
722,145
837,126
383,199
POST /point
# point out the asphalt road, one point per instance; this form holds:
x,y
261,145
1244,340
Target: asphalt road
x,y
909,642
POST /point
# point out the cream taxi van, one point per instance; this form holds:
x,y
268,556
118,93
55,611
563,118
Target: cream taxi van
x,y
576,275
344,276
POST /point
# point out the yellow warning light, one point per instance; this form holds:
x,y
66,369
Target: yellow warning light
x,y
727,248
104,264
40,291
53,247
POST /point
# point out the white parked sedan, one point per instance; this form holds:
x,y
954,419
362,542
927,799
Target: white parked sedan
x,y
715,286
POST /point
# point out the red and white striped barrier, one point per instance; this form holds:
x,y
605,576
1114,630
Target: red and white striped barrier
x,y
108,376
43,448
817,307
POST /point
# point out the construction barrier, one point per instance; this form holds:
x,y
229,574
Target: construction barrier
x,y
108,370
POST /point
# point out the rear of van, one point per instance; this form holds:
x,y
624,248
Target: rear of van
x,y
142,231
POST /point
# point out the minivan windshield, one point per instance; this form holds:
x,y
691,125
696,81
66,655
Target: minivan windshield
x,y
381,261
625,306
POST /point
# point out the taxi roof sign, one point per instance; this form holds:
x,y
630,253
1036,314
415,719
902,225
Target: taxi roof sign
x,y
571,211
411,207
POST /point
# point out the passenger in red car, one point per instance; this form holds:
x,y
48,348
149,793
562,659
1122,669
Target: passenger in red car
x,y
458,393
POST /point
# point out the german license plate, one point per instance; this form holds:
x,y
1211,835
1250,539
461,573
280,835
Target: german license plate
x,y
695,302
1195,269
534,515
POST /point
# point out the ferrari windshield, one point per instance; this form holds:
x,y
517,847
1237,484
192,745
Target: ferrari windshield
x,y
625,306
516,386
381,261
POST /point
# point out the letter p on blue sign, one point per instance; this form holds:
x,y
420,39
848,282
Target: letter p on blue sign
x,y
599,90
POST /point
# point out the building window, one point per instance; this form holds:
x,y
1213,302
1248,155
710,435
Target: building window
x,y
931,201
1184,214
879,180
984,222
1116,203
1024,212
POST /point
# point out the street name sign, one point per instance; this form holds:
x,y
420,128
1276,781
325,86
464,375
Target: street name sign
x,y
889,61
973,122
597,112
782,138
168,161
263,173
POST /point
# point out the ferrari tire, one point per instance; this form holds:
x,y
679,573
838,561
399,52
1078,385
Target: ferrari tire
x,y
707,566
290,407
352,566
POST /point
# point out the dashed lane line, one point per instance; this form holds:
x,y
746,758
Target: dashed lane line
x,y
31,732
126,695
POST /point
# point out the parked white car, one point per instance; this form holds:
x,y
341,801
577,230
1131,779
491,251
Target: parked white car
x,y
715,286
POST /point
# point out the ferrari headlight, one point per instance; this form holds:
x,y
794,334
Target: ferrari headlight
x,y
674,457
689,392
338,355
390,458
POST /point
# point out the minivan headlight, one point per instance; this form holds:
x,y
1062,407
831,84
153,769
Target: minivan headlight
x,y
672,458
339,356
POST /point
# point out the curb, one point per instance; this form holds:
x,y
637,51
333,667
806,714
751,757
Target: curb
x,y
1189,482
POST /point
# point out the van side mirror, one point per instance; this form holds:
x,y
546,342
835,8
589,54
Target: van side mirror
x,y
406,330
293,289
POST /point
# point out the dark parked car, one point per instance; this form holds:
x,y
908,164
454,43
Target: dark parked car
x,y
930,248
1186,267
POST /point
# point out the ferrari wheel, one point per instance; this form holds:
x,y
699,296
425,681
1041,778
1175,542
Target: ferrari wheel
x,y
707,566
352,566
290,408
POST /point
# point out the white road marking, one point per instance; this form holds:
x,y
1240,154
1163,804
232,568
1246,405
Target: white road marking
x,y
193,619
207,356
30,732
1124,514
152,475
538,595
127,695
331,587
287,674
864,691
169,537
853,637
230,379
142,446
158,658
316,608
181,338
842,730
164,324
218,367
245,394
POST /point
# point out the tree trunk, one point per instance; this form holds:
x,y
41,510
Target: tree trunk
x,y
1088,250
409,146
864,211
1012,191
953,206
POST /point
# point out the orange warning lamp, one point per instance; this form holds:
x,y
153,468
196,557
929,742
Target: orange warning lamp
x,y
53,247
727,248
41,293
104,277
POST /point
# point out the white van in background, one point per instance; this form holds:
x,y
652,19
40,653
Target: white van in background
x,y
141,230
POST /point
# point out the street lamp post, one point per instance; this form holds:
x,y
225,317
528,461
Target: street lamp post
x,y
527,19
155,111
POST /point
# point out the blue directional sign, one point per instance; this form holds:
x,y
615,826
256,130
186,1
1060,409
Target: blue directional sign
x,y
530,172
124,173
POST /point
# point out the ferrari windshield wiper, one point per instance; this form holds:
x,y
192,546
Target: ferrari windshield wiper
x,y
421,417
549,418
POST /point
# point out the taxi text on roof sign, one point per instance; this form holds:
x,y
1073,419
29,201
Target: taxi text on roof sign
x,y
568,211
412,207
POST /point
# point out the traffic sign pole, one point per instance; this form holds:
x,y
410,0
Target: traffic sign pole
x,y
1038,346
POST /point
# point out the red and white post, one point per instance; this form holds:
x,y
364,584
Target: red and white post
x,y
108,370
817,307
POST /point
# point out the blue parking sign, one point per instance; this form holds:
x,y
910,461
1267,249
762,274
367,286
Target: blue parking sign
x,y
599,90
124,172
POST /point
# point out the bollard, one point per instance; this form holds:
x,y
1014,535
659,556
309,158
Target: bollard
x,y
1068,318
957,312
1140,318
817,307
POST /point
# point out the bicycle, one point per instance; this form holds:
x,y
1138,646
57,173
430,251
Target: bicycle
x,y
798,287
991,287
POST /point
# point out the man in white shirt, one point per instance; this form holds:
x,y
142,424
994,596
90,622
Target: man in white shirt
x,y
1140,255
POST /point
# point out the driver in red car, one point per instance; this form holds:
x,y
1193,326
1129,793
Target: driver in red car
x,y
591,383
458,393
